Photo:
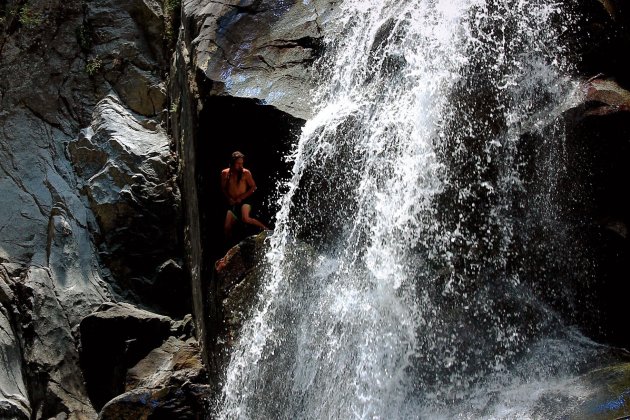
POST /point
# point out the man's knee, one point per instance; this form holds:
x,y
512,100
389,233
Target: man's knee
x,y
229,220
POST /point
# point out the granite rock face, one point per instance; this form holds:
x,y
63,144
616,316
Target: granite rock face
x,y
170,382
13,392
138,364
58,60
257,49
126,38
126,170
91,211
49,262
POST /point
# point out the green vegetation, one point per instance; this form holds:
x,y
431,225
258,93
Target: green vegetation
x,y
171,5
174,107
25,15
29,18
93,65
171,21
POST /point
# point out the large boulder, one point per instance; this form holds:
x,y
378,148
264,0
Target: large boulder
x,y
257,49
126,170
170,382
113,339
138,364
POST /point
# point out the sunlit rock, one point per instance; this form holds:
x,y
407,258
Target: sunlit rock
x,y
126,170
169,381
262,50
611,96
128,46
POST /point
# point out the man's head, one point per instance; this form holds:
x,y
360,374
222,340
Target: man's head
x,y
236,161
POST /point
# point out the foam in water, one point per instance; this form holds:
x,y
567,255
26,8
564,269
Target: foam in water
x,y
402,272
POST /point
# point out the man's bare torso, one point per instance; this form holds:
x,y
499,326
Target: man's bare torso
x,y
232,186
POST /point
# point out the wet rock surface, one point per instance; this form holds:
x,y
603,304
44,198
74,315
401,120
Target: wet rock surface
x,y
236,286
238,278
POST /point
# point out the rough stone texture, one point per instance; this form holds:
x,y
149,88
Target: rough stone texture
x,y
127,38
176,360
239,261
613,98
257,49
170,382
126,170
51,271
56,230
13,394
45,242
49,349
113,339
233,294
236,285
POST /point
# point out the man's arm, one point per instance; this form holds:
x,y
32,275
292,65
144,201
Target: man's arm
x,y
224,186
251,186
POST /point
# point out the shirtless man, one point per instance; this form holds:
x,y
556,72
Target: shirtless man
x,y
237,185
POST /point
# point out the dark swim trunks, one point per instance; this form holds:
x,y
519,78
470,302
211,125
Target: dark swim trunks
x,y
235,209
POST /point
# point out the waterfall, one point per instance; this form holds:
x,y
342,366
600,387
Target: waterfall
x,y
420,247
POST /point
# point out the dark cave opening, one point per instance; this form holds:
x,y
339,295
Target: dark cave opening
x,y
265,135
609,151
598,154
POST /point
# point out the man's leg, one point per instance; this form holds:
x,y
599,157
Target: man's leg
x,y
230,220
245,209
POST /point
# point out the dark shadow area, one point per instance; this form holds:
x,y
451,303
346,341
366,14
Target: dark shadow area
x,y
599,38
113,340
265,135
599,152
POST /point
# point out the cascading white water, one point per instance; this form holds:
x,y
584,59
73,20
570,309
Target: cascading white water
x,y
401,279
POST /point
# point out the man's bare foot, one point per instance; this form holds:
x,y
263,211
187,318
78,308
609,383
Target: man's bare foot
x,y
220,264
